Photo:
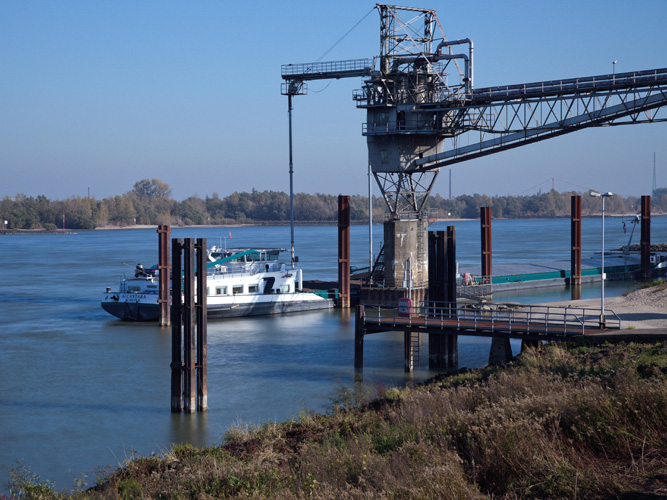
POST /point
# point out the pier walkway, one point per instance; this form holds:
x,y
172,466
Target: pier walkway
x,y
489,320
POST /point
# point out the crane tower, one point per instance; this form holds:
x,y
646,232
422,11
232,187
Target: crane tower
x,y
420,99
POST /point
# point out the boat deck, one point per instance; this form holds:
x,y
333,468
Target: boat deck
x,y
558,270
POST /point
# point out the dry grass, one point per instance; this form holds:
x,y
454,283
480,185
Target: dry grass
x,y
558,423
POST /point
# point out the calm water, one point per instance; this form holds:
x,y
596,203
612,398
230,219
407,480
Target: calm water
x,y
80,391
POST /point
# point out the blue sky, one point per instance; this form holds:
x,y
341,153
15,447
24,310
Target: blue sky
x,y
100,94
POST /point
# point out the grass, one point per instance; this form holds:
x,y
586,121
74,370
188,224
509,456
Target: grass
x,y
561,422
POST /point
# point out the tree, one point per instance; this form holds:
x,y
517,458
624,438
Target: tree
x,y
149,190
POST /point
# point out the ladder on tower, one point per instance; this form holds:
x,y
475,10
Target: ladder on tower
x,y
377,273
416,342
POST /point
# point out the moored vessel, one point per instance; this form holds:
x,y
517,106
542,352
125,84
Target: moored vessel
x,y
239,282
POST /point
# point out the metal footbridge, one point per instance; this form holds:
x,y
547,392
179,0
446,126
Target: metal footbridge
x,y
529,322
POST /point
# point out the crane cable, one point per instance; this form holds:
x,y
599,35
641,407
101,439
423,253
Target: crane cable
x,y
345,35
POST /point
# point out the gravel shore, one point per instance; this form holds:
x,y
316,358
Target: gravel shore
x,y
641,310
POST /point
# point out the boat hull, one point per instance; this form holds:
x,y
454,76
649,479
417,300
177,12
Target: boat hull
x,y
132,311
285,304
235,310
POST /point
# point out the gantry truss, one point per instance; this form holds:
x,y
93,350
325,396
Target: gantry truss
x,y
511,116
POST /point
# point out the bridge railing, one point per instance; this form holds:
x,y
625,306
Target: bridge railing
x,y
494,317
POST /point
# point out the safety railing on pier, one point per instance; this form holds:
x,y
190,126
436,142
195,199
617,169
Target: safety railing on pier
x,y
491,317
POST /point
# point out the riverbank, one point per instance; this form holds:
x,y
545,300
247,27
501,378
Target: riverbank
x,y
644,309
562,422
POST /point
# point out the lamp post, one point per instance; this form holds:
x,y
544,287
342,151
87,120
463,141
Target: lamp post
x,y
602,273
613,70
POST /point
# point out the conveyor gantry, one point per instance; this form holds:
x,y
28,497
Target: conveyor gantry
x,y
521,114
420,104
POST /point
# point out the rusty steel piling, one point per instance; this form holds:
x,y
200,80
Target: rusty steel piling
x,y
443,348
176,327
164,298
485,220
575,247
344,251
202,334
188,367
645,244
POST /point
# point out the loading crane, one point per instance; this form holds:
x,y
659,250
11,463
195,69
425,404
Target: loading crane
x,y
421,104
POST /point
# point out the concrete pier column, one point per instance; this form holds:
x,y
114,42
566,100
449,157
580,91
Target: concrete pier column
x,y
501,351
405,253
645,244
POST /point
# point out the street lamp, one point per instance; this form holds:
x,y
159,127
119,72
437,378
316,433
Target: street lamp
x,y
602,275
613,70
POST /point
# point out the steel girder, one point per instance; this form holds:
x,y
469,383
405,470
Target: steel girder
x,y
406,193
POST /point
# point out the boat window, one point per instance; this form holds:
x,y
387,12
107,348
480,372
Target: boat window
x,y
133,289
252,288
284,289
221,290
237,289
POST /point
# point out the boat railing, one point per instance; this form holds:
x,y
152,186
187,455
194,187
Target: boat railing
x,y
246,269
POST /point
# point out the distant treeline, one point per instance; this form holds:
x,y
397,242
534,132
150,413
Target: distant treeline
x,y
150,202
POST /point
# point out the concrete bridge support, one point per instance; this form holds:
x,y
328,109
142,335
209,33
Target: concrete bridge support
x,y
501,351
405,253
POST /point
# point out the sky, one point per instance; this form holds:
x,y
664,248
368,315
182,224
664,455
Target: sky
x,y
97,95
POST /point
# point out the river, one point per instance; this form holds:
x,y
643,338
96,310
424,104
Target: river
x,y
81,391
